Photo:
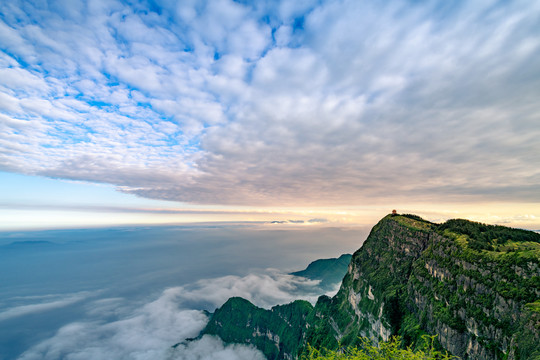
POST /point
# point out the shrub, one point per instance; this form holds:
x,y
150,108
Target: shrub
x,y
387,350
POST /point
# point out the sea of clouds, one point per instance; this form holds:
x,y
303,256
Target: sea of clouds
x,y
134,293
151,330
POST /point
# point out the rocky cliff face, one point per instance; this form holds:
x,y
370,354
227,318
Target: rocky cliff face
x,y
278,332
476,287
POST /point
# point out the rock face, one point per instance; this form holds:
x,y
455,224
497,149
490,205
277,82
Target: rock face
x,y
476,287
277,332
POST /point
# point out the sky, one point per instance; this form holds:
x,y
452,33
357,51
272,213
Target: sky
x,y
332,111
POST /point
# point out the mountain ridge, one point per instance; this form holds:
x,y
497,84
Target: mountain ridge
x,y
328,271
476,286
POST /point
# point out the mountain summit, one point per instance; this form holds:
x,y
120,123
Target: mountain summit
x,y
475,286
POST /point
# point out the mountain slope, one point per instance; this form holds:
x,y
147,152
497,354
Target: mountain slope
x,y
476,286
277,332
328,271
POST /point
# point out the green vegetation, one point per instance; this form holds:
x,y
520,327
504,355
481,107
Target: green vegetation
x,y
386,350
535,306
414,222
329,271
474,285
485,274
275,332
490,237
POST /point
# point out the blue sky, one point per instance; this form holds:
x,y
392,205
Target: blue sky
x,y
334,107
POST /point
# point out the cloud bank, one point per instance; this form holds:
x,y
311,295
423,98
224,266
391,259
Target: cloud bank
x,y
51,302
147,333
212,348
289,103
150,331
263,290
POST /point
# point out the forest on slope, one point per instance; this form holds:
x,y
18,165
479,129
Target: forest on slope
x,y
475,286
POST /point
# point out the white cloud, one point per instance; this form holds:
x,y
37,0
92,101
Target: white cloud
x,y
150,331
146,333
19,79
8,103
57,302
292,103
212,348
12,39
263,290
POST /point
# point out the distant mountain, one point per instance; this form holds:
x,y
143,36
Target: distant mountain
x,y
475,286
28,244
329,271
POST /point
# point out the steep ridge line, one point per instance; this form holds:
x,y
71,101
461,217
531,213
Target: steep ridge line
x,y
476,286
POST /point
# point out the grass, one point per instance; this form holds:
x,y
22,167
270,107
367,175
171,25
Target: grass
x,y
386,350
534,307
526,249
413,223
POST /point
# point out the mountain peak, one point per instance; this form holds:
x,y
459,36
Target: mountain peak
x,y
475,286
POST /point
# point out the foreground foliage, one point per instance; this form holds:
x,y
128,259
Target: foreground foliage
x,y
388,350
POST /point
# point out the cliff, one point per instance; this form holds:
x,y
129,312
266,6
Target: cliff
x,y
476,286
278,332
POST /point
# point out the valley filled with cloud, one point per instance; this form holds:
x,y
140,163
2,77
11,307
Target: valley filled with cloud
x,y
151,330
134,292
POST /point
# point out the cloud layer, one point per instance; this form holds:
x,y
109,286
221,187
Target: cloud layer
x,y
147,333
295,103
263,290
51,302
150,331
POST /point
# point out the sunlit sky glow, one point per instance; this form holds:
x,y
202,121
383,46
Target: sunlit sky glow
x,y
165,112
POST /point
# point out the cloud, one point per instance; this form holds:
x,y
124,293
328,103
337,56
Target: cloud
x,y
146,333
120,209
521,219
315,103
58,301
263,290
212,348
317,220
150,331
310,221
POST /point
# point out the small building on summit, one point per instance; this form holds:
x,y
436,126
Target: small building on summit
x,y
394,212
